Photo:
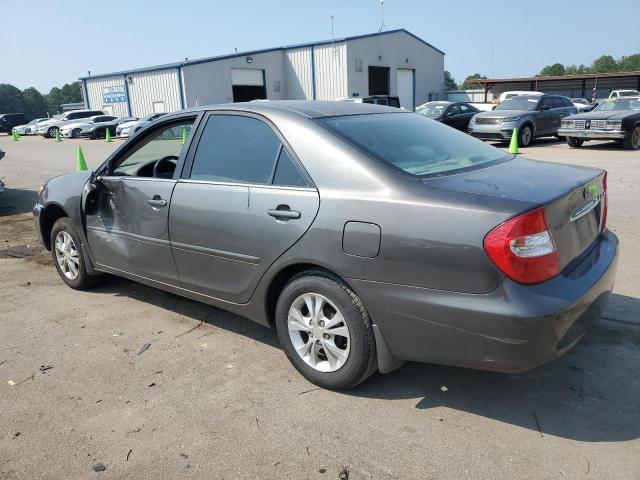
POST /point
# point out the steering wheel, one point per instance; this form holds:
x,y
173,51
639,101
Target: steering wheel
x,y
165,167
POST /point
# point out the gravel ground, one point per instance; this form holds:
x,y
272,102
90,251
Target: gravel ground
x,y
213,396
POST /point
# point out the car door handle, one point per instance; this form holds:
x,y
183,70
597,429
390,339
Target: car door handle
x,y
283,211
157,202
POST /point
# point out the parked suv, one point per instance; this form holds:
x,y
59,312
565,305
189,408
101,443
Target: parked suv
x,y
533,116
10,120
49,128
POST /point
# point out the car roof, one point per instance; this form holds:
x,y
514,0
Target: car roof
x,y
309,109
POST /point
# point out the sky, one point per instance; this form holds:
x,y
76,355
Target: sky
x,y
46,47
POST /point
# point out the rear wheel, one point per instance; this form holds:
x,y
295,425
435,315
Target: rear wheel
x,y
325,331
525,135
574,142
66,250
632,142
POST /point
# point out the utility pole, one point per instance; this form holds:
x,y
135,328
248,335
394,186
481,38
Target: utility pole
x,y
383,27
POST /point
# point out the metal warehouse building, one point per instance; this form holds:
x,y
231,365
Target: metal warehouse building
x,y
395,62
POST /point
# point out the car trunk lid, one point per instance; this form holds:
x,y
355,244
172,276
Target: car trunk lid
x,y
573,197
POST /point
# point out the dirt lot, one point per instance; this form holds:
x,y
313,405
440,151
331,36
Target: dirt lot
x,y
220,400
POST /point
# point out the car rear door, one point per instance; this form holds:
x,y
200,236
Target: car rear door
x,y
545,119
127,216
242,201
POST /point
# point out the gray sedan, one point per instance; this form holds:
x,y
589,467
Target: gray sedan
x,y
364,234
533,115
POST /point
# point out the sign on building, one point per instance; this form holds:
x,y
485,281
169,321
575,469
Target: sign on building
x,y
114,94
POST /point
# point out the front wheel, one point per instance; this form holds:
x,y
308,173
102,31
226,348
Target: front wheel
x,y
326,331
574,142
632,142
525,135
75,133
68,258
51,132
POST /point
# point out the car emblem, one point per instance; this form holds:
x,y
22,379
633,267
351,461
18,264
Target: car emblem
x,y
587,124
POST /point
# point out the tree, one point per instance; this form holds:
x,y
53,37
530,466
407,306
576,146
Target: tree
x,y
11,99
467,85
604,64
576,69
555,70
630,63
35,103
449,82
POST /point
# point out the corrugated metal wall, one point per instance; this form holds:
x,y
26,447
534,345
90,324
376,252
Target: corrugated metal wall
x,y
94,91
147,88
331,75
209,83
297,74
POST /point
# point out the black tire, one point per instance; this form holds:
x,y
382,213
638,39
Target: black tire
x,y
362,360
574,142
83,281
525,140
632,141
75,133
51,132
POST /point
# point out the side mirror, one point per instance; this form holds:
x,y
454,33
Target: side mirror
x,y
494,107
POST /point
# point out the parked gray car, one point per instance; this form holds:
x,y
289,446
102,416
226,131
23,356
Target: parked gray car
x,y
366,235
533,115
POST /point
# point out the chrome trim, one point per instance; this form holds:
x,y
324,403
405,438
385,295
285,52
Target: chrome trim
x,y
144,179
249,185
585,209
571,132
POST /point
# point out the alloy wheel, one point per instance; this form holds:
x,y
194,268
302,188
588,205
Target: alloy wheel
x,y
67,255
319,332
635,138
526,136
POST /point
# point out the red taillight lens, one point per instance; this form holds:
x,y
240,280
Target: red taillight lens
x,y
605,202
523,249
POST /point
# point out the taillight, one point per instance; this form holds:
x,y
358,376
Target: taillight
x,y
523,248
605,202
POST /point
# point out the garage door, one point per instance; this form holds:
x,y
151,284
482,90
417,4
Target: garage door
x,y
247,84
405,88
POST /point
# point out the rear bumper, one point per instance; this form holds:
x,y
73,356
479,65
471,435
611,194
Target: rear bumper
x,y
605,134
513,328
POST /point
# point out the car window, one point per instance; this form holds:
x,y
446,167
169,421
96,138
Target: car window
x,y
235,149
71,116
394,102
466,109
432,109
557,102
545,102
413,143
163,142
454,110
287,173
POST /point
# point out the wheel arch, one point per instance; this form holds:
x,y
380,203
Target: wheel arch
x,y
50,214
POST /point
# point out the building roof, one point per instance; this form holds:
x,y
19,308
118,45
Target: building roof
x,y
586,76
256,52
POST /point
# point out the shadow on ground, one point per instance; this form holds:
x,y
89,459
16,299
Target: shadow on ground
x,y
591,394
16,200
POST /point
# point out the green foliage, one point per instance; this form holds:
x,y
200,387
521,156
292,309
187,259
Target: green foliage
x,y
467,85
449,82
557,69
603,64
33,104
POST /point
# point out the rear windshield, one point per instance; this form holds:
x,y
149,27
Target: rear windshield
x,y
412,143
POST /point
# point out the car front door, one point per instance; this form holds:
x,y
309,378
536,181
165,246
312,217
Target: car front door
x,y
242,201
467,113
545,117
127,215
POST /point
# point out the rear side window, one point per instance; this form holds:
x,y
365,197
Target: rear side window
x,y
558,102
235,149
394,102
287,173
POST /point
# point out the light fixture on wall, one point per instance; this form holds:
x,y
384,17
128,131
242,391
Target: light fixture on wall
x,y
249,59
406,60
380,57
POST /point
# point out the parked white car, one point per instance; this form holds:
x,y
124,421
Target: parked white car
x,y
129,128
49,128
29,128
582,104
624,93
507,95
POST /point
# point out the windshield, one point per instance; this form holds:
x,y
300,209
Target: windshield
x,y
619,104
519,102
432,109
628,93
412,143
